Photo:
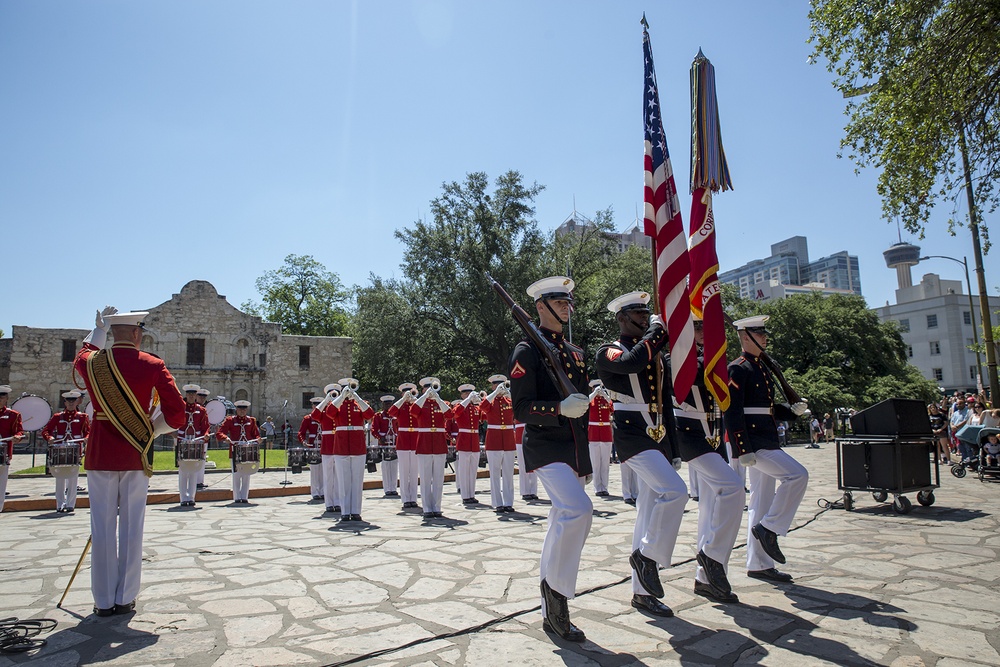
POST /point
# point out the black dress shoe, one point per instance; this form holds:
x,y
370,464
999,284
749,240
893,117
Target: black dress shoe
x,y
510,509
557,615
336,508
438,515
648,572
652,605
330,509
500,509
768,542
428,515
715,572
528,497
712,593
317,497
603,493
200,486
355,517
125,608
69,510
630,501
104,612
770,574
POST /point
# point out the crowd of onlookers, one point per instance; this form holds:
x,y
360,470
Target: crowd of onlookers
x,y
953,413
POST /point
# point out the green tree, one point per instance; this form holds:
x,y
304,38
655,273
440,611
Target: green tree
x,y
931,71
303,297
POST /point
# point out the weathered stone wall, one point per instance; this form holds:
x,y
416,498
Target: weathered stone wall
x,y
244,357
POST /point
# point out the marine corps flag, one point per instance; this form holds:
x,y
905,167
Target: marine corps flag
x,y
709,173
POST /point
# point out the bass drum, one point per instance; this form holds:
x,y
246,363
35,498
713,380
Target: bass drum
x,y
216,410
35,412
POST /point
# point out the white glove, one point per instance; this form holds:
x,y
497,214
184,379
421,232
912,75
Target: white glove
x,y
99,336
476,398
327,400
799,408
574,405
677,463
408,397
748,459
656,320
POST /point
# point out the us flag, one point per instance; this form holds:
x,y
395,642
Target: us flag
x,y
662,222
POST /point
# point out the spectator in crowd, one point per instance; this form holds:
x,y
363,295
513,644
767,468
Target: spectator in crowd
x,y
939,427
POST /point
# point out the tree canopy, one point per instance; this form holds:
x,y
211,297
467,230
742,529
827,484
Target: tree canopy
x,y
931,73
304,297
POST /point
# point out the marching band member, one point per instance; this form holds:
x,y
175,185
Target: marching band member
x,y
349,448
202,398
628,368
68,425
11,433
310,431
325,416
384,428
405,414
197,429
236,429
499,417
599,435
753,434
467,419
120,451
555,448
720,490
527,482
432,445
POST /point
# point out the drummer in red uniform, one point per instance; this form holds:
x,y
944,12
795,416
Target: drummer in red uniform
x,y
11,433
383,428
467,418
68,429
325,417
498,414
309,435
119,451
600,437
236,429
349,447
195,430
405,414
432,445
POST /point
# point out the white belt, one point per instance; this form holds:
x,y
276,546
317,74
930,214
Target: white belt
x,y
409,430
599,423
432,429
468,430
349,428
757,411
632,407
326,432
502,427
689,414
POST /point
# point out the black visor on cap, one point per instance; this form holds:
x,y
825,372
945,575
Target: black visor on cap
x,y
562,296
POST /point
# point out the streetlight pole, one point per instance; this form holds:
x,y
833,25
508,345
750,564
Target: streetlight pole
x,y
972,309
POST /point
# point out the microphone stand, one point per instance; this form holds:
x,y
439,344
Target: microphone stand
x,y
285,481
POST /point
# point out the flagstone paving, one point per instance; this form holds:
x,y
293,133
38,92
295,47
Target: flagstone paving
x,y
280,583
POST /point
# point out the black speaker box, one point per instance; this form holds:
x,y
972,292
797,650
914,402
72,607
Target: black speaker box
x,y
890,466
895,416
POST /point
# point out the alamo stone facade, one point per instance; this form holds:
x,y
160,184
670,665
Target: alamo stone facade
x,y
204,340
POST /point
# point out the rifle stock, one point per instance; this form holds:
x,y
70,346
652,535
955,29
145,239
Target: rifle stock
x,y
550,355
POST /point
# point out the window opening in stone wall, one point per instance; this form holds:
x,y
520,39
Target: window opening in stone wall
x,y
306,398
196,352
932,321
68,349
263,359
303,356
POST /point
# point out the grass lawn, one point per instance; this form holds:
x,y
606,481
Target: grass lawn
x,y
165,461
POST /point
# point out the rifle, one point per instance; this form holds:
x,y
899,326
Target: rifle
x,y
549,352
791,395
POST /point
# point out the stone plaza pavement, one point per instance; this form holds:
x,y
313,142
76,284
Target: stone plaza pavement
x,y
280,583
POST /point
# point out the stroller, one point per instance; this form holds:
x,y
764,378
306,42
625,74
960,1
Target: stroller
x,y
968,436
989,462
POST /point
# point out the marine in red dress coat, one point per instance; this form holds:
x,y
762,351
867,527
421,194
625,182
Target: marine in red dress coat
x,y
407,423
309,431
235,428
498,414
433,440
68,424
467,418
349,440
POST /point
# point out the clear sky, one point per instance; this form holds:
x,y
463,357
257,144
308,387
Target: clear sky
x,y
146,144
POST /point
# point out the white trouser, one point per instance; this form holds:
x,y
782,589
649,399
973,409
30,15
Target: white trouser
x,y
117,516
735,464
630,483
350,479
600,461
775,510
431,480
316,479
66,478
4,471
187,479
408,475
570,517
720,509
527,482
201,465
331,487
501,465
659,509
241,481
390,475
465,475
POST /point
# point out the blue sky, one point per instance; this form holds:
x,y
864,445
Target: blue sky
x,y
146,144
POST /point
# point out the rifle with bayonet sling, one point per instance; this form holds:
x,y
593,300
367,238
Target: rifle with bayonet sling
x,y
549,352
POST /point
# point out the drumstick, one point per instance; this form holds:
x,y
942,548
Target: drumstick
x,y
86,548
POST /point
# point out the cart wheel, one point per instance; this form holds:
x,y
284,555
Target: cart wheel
x,y
902,505
880,496
958,470
848,501
926,498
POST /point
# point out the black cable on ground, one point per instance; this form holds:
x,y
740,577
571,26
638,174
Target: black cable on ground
x,y
16,635
503,619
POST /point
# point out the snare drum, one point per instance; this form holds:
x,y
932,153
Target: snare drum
x,y
190,450
61,456
246,454
296,458
452,455
35,412
388,452
3,454
314,456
